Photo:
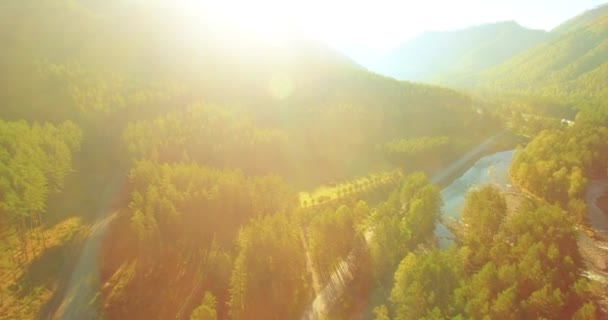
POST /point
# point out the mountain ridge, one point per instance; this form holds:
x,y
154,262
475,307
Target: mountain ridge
x,y
444,57
573,64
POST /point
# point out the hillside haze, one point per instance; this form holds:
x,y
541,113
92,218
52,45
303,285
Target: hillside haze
x,y
573,64
451,57
295,84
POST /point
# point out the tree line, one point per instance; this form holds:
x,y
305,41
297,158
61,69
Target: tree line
x,y
555,165
503,266
34,162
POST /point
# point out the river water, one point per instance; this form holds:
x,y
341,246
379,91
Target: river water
x,y
597,217
491,169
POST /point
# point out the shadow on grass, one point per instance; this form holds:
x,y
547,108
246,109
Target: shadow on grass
x,y
86,195
44,269
55,265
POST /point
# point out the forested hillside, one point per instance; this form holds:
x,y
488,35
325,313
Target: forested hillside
x,y
572,66
106,75
199,136
454,58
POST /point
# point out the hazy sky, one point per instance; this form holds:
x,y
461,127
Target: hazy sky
x,y
383,24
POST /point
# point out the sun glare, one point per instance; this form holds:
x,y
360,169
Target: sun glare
x,y
337,22
264,19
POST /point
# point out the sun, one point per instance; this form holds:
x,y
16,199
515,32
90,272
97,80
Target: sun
x,y
334,22
266,19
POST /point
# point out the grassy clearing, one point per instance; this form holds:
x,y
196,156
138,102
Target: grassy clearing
x,y
333,191
25,286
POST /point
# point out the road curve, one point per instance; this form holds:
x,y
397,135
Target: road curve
x,y
78,296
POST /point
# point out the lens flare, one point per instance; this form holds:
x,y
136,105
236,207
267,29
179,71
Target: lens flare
x,y
280,86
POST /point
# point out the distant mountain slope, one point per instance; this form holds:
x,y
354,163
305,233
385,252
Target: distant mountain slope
x,y
451,57
574,64
582,20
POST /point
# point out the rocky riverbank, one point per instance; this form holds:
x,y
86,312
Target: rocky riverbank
x,y
594,248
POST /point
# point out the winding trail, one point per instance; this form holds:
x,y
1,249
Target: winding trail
x,y
80,300
316,279
78,296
